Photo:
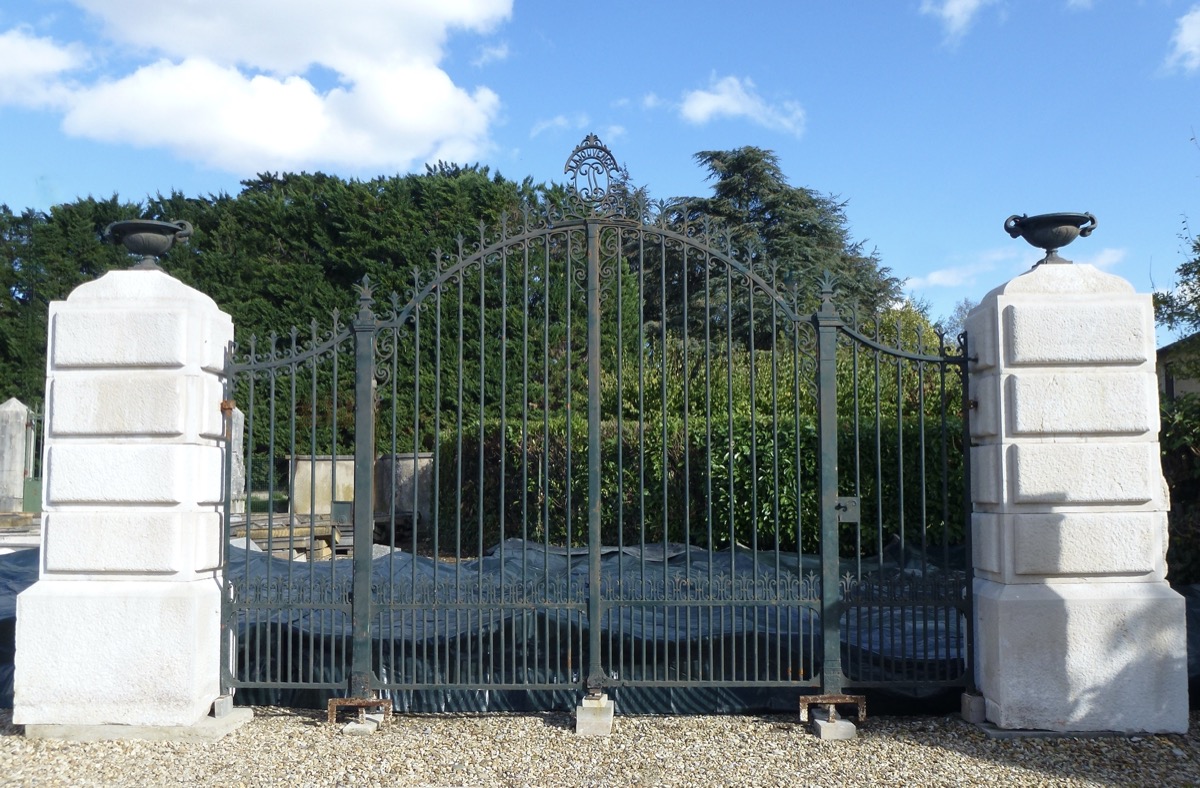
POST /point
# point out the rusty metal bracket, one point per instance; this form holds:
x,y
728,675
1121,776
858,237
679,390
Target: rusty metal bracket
x,y
831,702
362,704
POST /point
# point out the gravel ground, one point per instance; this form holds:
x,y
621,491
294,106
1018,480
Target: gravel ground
x,y
296,747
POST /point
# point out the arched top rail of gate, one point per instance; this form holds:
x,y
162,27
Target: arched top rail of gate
x,y
597,196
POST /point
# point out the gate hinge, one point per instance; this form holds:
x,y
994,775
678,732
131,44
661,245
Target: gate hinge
x,y
847,509
227,406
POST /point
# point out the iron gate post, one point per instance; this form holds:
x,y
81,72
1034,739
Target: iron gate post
x,y
828,322
361,677
595,674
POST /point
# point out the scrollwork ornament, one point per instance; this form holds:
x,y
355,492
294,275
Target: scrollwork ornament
x,y
593,175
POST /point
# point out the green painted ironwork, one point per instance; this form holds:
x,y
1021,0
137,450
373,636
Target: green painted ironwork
x,y
773,485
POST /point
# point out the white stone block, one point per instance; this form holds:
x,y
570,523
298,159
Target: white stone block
x,y
131,542
986,542
1088,544
125,653
1061,331
987,473
1083,402
110,339
133,473
318,481
984,415
118,403
128,309
1082,657
206,542
982,338
594,716
216,339
1069,473
14,416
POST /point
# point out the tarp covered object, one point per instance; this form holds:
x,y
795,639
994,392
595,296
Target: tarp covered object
x,y
922,642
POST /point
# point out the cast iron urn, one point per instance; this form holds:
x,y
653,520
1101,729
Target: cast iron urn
x,y
1050,231
148,238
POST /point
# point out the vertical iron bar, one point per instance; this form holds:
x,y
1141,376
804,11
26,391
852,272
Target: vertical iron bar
x,y
595,678
831,607
361,678
228,620
969,591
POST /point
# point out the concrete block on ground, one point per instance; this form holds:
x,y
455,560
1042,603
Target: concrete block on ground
x,y
974,708
222,706
824,728
207,729
594,716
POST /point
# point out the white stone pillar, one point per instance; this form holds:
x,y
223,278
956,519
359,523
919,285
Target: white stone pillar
x,y
1076,627
123,625
14,415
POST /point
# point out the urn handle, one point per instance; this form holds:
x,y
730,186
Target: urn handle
x,y
1086,229
185,229
1012,225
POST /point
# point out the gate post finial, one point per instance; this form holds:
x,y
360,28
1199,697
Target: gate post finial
x,y
827,286
366,298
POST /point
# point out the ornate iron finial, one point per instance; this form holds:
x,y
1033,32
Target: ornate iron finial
x,y
827,292
366,299
594,171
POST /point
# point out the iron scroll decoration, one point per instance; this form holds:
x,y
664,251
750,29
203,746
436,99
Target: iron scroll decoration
x,y
594,175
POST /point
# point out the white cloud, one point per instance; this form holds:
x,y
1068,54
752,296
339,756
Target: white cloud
x,y
32,69
559,122
651,101
967,274
1105,259
1082,5
955,276
490,54
231,92
730,97
956,15
1185,43
613,132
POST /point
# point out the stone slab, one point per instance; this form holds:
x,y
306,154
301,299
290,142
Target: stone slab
x,y
1089,472
1084,332
992,732
1086,401
117,652
1096,656
207,729
594,716
132,542
122,474
826,729
974,708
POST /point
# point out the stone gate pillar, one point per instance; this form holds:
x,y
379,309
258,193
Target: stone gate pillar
x,y
1076,627
123,626
14,416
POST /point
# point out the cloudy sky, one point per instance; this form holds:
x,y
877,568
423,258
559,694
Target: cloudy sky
x,y
934,119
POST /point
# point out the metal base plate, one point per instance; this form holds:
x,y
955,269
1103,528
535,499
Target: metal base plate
x,y
362,704
832,702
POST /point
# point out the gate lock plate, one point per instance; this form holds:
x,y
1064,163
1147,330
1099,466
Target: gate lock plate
x,y
847,509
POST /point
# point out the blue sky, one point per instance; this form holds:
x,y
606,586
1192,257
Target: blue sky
x,y
934,119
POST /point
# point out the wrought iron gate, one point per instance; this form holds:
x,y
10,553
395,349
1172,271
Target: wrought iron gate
x,y
610,452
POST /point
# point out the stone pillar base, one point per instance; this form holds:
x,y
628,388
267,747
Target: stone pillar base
x,y
132,652
1083,657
